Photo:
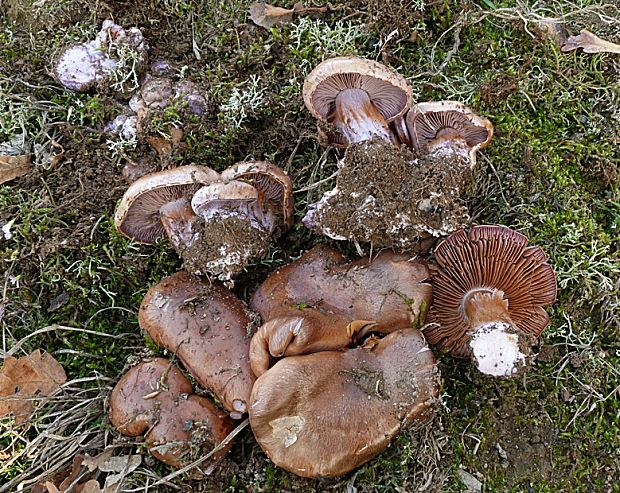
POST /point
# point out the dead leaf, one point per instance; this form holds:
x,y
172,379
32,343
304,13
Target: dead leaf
x,y
12,167
266,15
590,43
91,486
162,146
106,462
25,379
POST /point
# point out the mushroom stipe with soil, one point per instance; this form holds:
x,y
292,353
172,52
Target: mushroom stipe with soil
x,y
217,223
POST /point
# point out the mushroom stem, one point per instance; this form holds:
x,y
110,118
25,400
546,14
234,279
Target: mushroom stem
x,y
499,347
482,305
358,118
177,218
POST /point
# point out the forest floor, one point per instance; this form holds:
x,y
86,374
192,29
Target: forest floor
x,y
71,285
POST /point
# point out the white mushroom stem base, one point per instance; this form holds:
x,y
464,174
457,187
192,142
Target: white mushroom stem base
x,y
498,349
358,119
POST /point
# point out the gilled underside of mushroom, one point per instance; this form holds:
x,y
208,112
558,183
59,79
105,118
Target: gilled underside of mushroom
x,y
357,118
488,298
361,107
438,129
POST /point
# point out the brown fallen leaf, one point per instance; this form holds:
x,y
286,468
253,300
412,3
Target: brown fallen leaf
x,y
12,167
590,43
267,15
25,379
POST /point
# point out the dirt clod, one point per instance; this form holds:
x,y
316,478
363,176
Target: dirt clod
x,y
387,196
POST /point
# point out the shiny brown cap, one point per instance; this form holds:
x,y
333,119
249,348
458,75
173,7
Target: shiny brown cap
x,y
488,259
155,398
208,329
325,414
138,216
338,300
433,123
388,90
271,181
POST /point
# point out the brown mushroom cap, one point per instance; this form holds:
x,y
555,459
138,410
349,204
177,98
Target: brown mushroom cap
x,y
154,398
208,329
388,91
337,300
138,214
474,267
271,181
325,414
434,123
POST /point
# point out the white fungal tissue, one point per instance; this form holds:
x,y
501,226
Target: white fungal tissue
x,y
496,349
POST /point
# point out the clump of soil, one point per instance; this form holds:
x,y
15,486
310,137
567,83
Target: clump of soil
x,y
387,196
371,382
223,246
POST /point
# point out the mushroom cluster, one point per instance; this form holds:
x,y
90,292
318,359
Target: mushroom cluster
x,y
156,400
341,362
327,406
216,222
391,195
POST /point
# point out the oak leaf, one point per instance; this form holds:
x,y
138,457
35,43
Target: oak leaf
x,y
24,380
12,167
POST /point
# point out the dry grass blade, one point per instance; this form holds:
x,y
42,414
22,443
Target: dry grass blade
x,y
266,15
49,441
590,43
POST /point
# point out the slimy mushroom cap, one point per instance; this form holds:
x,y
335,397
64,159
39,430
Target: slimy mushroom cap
x,y
325,414
155,398
208,329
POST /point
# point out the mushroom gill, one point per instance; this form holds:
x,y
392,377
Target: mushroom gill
x,y
489,279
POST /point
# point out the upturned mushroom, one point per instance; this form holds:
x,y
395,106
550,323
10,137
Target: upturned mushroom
x,y
155,399
321,302
217,223
447,127
357,96
208,329
252,205
324,414
159,204
489,294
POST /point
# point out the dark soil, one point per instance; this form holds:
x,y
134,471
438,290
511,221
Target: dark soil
x,y
387,196
223,246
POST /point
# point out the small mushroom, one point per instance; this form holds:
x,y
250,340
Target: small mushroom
x,y
326,413
159,204
208,329
272,183
358,96
85,66
321,302
489,295
155,399
447,127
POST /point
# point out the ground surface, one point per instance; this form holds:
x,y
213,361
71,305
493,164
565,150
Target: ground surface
x,y
550,172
